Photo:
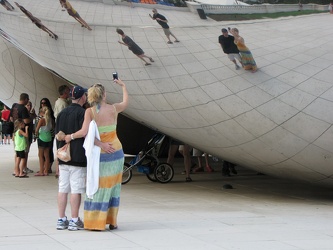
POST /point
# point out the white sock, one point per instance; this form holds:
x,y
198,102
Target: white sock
x,y
75,219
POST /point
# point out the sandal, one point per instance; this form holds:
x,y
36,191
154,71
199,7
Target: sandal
x,y
23,176
151,59
188,179
39,174
148,64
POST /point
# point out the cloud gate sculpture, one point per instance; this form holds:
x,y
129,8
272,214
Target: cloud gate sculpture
x,y
277,121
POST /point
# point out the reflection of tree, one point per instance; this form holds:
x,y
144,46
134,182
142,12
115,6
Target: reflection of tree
x,y
36,21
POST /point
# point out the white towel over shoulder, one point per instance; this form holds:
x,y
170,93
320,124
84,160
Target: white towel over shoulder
x,y
93,153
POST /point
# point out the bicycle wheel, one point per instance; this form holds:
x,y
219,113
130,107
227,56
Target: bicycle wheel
x,y
164,173
127,173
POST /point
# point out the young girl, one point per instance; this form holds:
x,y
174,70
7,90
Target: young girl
x,y
20,135
43,133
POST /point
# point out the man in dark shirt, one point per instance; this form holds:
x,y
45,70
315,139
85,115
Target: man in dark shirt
x,y
19,110
72,174
230,48
164,23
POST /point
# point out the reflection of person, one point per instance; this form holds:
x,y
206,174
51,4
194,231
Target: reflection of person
x,y
186,149
164,23
37,22
72,174
247,58
101,206
73,13
229,47
132,46
6,4
20,135
330,7
198,154
228,167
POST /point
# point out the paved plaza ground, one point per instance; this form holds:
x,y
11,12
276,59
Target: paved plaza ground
x,y
261,212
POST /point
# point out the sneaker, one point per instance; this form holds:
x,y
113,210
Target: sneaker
x,y
169,42
237,67
28,171
74,226
62,225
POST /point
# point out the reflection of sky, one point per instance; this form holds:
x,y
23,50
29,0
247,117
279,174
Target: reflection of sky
x,y
221,2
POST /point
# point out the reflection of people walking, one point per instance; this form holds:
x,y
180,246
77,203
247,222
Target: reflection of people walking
x,y
164,23
247,58
37,22
6,5
132,46
230,48
73,13
330,7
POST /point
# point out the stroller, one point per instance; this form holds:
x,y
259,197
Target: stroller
x,y
147,163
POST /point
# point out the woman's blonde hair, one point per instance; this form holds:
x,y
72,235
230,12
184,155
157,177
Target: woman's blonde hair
x,y
47,115
96,94
235,29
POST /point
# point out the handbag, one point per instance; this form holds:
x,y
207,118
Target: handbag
x,y
64,153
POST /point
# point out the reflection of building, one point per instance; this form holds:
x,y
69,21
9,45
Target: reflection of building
x,y
277,121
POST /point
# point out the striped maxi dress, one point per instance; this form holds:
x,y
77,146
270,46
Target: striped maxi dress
x,y
103,208
247,59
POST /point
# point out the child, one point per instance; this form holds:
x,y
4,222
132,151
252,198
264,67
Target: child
x,y
20,135
43,133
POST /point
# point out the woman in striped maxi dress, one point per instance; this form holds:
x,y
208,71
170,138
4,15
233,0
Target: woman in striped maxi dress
x,y
102,209
247,59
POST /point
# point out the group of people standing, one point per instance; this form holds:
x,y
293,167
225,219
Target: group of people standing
x,y
86,128
24,126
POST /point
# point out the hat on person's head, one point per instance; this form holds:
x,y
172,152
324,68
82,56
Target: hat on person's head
x,y
224,30
77,92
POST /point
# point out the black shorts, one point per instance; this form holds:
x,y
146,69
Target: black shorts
x,y
43,144
20,154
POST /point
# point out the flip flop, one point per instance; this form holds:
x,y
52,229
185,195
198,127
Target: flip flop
x,y
151,59
39,174
24,176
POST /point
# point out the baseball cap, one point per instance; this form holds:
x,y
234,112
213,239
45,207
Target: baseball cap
x,y
77,92
224,30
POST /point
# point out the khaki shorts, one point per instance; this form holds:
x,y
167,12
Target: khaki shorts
x,y
167,32
72,179
234,56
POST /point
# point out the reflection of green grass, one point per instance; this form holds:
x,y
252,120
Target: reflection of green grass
x,y
239,17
